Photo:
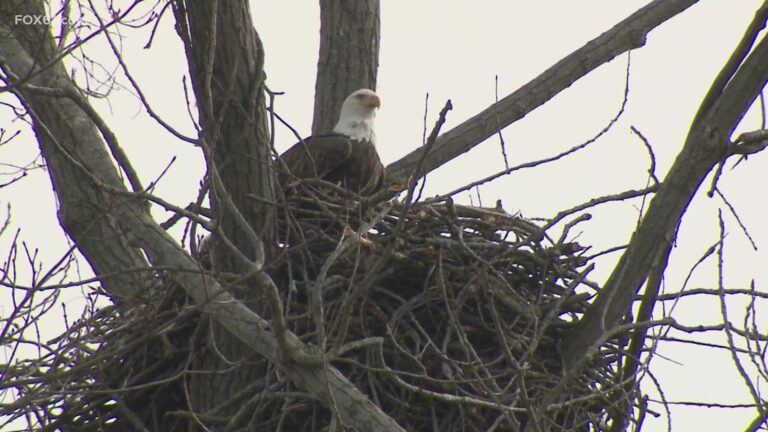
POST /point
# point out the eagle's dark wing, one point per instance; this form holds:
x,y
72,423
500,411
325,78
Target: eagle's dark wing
x,y
363,172
316,156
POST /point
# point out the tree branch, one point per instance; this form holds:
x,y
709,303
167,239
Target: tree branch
x,y
71,146
624,36
704,148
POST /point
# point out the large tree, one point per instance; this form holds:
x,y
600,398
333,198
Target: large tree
x,y
224,350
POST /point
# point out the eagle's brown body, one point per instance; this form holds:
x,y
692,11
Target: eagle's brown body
x,y
336,158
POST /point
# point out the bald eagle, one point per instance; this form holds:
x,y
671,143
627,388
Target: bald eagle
x,y
347,155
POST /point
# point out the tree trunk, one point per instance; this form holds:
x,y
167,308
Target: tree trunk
x,y
226,59
349,56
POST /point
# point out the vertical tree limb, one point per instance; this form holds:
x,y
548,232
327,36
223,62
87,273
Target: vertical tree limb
x,y
226,65
349,56
226,62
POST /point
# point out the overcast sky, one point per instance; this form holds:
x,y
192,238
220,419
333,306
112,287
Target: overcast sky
x,y
456,49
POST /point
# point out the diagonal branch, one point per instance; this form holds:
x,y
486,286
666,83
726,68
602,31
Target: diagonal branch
x,y
707,143
627,35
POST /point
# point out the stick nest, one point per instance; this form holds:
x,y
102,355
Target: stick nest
x,y
448,317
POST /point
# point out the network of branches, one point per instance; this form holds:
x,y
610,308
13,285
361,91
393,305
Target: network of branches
x,y
426,312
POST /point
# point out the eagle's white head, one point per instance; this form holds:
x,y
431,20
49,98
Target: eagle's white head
x,y
357,113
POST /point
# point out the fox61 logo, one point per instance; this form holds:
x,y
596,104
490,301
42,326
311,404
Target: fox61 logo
x,y
36,20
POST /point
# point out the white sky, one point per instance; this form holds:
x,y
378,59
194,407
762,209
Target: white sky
x,y
454,49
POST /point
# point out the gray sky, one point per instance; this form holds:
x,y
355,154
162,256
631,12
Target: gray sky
x,y
455,49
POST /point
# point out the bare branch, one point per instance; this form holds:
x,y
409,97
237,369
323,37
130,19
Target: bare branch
x,y
624,36
727,327
703,150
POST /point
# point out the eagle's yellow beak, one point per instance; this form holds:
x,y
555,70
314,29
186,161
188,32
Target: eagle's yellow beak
x,y
373,101
364,98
